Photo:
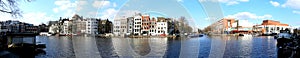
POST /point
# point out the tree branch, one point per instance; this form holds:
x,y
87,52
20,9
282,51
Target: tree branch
x,y
6,11
11,7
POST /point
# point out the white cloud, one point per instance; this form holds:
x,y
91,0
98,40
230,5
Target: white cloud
x,y
63,5
109,13
80,5
295,4
244,0
36,18
248,15
67,8
6,16
276,4
69,13
227,2
232,3
115,5
296,12
98,4
92,13
55,10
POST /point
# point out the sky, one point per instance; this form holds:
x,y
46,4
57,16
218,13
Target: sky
x,y
199,13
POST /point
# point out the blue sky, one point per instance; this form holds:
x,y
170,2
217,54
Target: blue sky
x,y
251,11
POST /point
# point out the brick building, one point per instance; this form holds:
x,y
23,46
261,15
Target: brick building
x,y
271,26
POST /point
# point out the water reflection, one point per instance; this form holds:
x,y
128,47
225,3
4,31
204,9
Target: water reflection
x,y
173,48
57,47
200,47
238,47
85,47
218,45
140,46
106,48
189,48
204,47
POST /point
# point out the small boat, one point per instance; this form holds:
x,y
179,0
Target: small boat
x,y
244,35
193,35
201,35
241,35
40,45
45,34
162,35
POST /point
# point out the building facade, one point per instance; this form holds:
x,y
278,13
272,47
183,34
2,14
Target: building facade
x,y
120,26
66,27
91,26
78,25
152,26
123,26
145,24
162,26
130,23
117,26
54,29
222,26
137,24
105,26
13,26
271,26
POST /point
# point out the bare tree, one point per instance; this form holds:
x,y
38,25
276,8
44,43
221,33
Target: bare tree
x,y
11,7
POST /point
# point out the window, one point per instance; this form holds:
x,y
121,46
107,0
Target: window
x,y
267,29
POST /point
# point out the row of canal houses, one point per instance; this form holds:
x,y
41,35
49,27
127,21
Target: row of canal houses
x,y
138,24
78,25
15,26
142,24
232,25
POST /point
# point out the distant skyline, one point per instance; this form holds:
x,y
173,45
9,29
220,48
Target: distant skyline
x,y
249,11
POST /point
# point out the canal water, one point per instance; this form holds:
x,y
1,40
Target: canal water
x,y
199,47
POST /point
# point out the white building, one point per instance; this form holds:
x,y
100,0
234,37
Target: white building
x,y
54,28
137,25
123,26
91,26
161,26
120,26
270,27
79,25
66,27
116,28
